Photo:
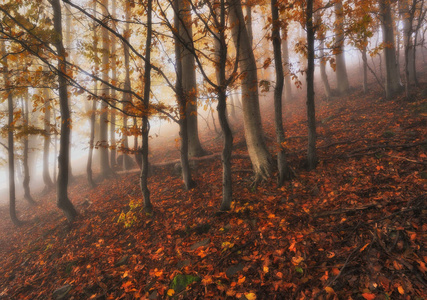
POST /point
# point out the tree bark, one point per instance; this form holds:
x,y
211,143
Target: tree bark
x,y
248,9
260,157
365,70
63,202
145,125
285,172
10,144
392,80
27,178
311,113
341,69
92,118
182,103
127,97
103,128
189,83
112,122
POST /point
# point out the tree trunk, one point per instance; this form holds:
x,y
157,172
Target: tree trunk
x,y
113,160
182,103
189,78
260,157
26,182
92,118
46,141
392,81
103,128
341,69
221,88
127,97
365,70
248,19
10,145
62,185
285,171
146,102
286,69
311,113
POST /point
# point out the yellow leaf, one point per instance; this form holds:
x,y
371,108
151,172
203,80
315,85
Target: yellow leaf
x,y
265,269
171,292
329,290
401,290
250,296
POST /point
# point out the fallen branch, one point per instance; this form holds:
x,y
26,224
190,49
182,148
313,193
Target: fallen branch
x,y
407,159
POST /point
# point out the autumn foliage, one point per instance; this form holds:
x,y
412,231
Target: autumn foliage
x,y
354,228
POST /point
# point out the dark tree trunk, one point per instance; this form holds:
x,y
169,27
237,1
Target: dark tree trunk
x,y
145,126
63,202
311,114
392,80
113,160
26,182
221,87
248,9
285,171
365,70
189,83
10,150
182,103
103,128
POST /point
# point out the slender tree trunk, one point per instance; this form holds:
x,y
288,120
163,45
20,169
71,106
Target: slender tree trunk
x,y
392,81
221,88
365,70
113,160
26,182
69,51
341,69
127,97
260,157
182,103
103,128
286,69
189,79
55,145
311,113
285,171
46,142
10,145
146,102
64,202
92,119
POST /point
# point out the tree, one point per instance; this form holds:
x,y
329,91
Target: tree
x,y
26,181
182,101
311,112
189,83
341,69
10,144
112,122
321,31
92,112
392,80
285,171
146,102
103,127
260,157
63,201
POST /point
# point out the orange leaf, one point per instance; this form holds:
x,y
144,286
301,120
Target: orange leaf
x,y
401,290
368,296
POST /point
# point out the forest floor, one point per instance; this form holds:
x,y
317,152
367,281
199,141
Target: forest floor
x,y
354,228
